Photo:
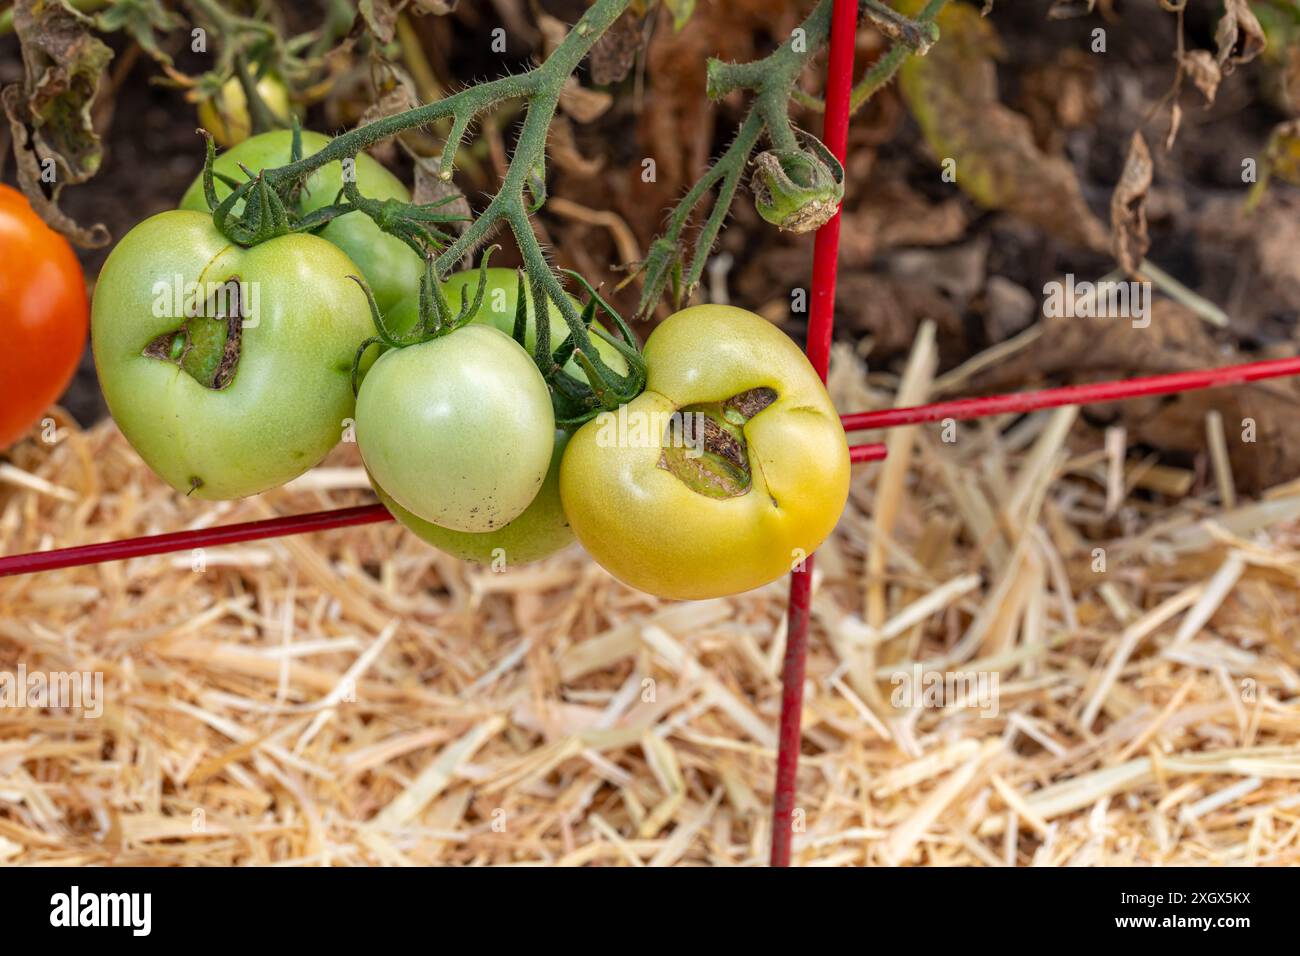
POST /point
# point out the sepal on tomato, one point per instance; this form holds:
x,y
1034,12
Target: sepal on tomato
x,y
798,190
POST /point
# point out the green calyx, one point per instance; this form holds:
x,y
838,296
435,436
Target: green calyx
x,y
270,206
435,315
578,402
798,190
705,447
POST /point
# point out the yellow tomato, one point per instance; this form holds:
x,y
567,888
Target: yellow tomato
x,y
727,471
226,117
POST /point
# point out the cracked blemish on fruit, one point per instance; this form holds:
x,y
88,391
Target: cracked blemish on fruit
x,y
719,466
207,346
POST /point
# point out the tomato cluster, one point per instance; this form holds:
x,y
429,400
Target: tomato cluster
x,y
232,370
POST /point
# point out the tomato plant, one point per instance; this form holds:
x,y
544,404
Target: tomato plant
x,y
458,429
43,315
540,531
228,369
390,267
728,469
226,115
456,421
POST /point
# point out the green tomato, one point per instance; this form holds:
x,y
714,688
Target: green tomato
x,y
459,429
498,310
391,267
252,390
537,533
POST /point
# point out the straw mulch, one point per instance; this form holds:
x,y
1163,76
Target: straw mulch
x,y
354,697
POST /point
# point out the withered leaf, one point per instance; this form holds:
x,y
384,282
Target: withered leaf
x,y
614,53
953,93
1238,36
398,98
1128,207
379,17
1175,123
1069,9
1082,349
583,104
430,187
1204,73
50,113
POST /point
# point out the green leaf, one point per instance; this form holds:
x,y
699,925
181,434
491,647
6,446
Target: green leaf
x,y
141,19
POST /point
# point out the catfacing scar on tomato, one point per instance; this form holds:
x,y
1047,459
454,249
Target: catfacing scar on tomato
x,y
729,469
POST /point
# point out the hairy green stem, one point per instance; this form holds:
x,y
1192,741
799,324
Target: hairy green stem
x,y
882,71
541,86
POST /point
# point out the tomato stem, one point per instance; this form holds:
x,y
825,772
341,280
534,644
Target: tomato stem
x,y
773,81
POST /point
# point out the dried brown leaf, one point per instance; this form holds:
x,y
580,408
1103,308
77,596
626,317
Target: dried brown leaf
x,y
1204,73
953,94
1239,36
1087,349
583,104
1128,207
379,17
1175,123
614,53
50,114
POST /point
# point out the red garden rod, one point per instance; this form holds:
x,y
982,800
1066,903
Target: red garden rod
x,y
962,408
187,540
236,534
859,453
821,319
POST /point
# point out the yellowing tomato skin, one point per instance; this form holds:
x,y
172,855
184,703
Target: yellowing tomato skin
x,y
226,116
652,531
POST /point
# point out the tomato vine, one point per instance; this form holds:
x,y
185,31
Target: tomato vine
x,y
798,184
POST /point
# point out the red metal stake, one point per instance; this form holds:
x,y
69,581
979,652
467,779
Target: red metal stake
x,y
821,320
1018,402
186,540
237,533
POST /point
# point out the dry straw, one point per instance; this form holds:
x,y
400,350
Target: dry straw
x,y
354,697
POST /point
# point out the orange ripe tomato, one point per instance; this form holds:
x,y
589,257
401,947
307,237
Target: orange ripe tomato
x,y
44,316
